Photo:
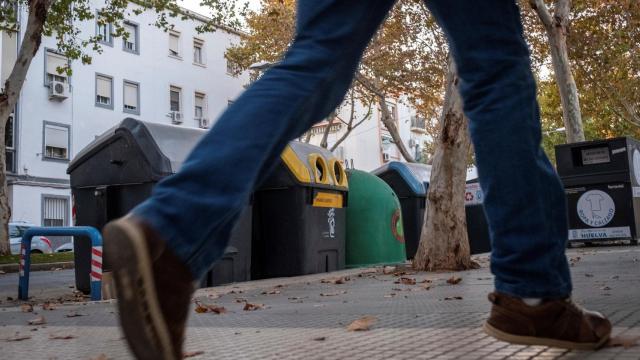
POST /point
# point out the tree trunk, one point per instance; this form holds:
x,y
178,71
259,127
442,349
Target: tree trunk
x,y
38,10
556,27
325,136
444,244
390,124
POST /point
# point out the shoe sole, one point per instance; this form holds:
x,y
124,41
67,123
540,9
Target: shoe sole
x,y
532,340
141,317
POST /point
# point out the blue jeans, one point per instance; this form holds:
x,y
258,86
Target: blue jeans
x,y
196,208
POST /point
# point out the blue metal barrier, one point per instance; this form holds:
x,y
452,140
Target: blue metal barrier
x,y
96,256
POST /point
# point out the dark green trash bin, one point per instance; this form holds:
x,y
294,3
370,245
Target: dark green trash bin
x,y
374,222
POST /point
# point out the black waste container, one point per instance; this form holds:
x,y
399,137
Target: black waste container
x,y
477,227
602,184
118,170
299,215
410,182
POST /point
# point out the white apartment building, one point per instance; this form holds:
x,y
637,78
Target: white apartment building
x,y
178,77
370,145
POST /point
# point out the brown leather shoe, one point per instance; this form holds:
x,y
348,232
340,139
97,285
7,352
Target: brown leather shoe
x,y
153,288
556,323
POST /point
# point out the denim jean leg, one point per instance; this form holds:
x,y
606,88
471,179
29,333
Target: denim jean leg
x,y
195,208
524,199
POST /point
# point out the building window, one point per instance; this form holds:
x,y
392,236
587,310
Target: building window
x,y
174,98
198,52
10,152
104,91
200,106
132,42
103,31
53,63
56,141
55,210
174,44
131,97
232,67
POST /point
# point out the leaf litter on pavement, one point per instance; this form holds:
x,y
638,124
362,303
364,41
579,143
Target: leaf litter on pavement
x,y
209,308
362,324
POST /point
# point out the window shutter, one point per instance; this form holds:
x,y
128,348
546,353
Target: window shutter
x,y
54,61
56,136
131,95
173,43
131,29
200,100
103,86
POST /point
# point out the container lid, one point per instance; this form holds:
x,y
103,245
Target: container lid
x,y
417,176
314,165
166,146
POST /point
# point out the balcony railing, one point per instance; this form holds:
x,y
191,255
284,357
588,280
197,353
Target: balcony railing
x,y
418,124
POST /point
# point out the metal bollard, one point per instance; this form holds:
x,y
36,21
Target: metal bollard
x,y
96,256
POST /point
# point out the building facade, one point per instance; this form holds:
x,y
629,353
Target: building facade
x,y
370,145
178,77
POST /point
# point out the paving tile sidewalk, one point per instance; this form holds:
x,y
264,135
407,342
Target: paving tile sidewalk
x,y
305,318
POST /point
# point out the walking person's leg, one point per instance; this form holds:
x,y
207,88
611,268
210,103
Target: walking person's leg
x,y
173,238
524,199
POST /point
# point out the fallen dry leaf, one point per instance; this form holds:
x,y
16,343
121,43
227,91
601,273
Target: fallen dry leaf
x,y
188,354
62,337
426,286
362,324
405,281
626,342
26,308
605,288
333,293
48,306
206,308
321,338
337,281
252,307
18,337
454,280
271,292
388,270
213,296
38,321
426,281
588,275
240,300
390,295
74,314
453,298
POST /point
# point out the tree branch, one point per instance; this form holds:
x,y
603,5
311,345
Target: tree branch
x,y
543,12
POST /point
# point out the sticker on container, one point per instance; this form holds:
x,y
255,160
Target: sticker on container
x,y
331,220
602,233
473,194
618,150
636,165
596,208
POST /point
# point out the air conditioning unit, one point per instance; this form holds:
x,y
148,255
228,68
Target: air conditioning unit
x,y
203,123
176,117
386,157
58,90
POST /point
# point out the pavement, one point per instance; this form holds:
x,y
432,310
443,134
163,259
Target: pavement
x,y
307,318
